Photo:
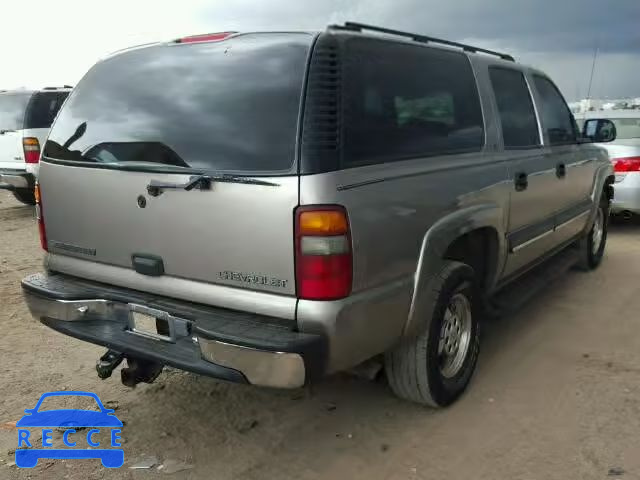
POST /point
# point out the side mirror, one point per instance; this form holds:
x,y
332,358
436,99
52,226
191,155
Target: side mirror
x,y
599,130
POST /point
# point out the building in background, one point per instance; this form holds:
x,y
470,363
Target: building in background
x,y
594,104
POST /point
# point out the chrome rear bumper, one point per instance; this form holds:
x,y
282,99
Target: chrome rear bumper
x,y
228,345
15,180
627,193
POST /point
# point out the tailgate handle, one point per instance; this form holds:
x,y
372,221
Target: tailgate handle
x,y
151,265
203,182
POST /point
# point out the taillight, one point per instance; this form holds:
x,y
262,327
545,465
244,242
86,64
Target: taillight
x,y
40,218
323,253
626,164
31,148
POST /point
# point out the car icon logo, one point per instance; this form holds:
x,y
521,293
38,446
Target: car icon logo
x,y
70,421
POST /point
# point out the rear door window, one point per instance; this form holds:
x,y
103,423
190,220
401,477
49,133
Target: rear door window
x,y
227,106
407,101
42,109
557,119
515,107
12,108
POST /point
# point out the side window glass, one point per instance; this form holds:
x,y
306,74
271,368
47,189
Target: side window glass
x,y
557,119
515,107
408,101
436,107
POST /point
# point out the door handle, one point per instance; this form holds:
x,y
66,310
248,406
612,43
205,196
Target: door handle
x,y
561,170
521,181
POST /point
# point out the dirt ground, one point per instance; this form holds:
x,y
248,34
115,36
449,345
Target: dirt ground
x,y
556,395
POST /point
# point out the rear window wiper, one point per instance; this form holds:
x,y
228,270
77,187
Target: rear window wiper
x,y
3,131
202,182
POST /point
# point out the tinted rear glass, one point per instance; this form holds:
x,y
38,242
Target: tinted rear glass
x,y
42,109
12,107
406,101
224,106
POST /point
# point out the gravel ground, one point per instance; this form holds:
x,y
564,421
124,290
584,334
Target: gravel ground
x,y
556,395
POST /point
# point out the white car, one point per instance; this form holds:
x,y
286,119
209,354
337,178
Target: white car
x,y
25,119
624,153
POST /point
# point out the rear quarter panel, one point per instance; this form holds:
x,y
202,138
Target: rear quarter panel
x,y
391,207
11,155
403,216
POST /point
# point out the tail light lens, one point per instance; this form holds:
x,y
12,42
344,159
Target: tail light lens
x,y
31,148
40,219
627,164
324,265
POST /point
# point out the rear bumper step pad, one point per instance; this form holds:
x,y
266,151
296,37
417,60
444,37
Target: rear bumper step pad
x,y
234,346
16,180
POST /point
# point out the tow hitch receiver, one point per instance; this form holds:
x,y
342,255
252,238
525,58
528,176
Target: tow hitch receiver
x,y
108,363
138,370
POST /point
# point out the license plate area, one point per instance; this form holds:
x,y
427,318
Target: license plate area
x,y
151,323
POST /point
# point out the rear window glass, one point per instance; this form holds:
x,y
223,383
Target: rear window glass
x,y
12,108
223,106
43,108
407,101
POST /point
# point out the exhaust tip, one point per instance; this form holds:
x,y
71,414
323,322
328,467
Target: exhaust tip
x,y
627,215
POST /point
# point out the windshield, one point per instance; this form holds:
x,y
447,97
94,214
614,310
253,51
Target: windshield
x,y
225,106
12,107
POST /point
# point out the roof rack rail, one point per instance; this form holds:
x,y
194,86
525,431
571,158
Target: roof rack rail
x,y
358,27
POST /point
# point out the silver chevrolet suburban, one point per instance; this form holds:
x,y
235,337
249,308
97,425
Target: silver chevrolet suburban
x,y
269,208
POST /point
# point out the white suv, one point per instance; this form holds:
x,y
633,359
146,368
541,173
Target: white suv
x,y
25,119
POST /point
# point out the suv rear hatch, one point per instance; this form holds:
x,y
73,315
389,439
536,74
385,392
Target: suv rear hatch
x,y
172,169
12,110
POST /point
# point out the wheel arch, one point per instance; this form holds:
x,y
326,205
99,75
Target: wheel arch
x,y
479,249
456,237
604,181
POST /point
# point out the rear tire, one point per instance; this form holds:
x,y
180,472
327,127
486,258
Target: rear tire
x,y
593,244
25,195
435,367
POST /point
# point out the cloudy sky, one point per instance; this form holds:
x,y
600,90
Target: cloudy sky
x,y
51,42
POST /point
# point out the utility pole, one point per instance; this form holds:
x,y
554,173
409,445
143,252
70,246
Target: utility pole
x,y
593,67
